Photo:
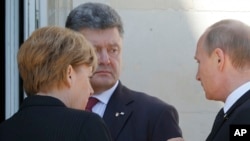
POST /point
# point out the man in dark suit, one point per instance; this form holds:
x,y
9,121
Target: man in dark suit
x,y
130,115
223,56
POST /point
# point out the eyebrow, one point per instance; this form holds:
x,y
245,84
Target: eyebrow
x,y
114,44
109,44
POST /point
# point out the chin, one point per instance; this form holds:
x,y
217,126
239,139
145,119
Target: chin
x,y
208,97
102,80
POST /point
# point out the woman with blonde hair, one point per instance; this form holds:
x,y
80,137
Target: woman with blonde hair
x,y
55,65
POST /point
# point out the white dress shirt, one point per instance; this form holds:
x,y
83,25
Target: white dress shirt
x,y
103,98
235,95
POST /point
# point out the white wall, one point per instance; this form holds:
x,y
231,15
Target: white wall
x,y
159,46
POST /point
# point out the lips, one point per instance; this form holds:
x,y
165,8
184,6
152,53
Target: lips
x,y
102,72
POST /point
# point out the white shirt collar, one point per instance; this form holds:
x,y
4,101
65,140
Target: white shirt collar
x,y
105,96
235,95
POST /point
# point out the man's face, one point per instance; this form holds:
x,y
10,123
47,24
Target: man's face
x,y
108,46
207,72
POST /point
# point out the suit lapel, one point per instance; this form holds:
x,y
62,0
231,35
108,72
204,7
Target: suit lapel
x,y
118,111
239,102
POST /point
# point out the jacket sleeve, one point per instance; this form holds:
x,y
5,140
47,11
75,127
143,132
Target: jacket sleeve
x,y
167,125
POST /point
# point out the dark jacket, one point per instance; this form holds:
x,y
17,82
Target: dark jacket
x,y
43,118
136,116
238,114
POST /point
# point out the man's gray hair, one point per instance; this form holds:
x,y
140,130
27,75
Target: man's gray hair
x,y
94,16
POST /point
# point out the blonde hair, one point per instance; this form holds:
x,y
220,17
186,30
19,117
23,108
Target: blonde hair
x,y
44,57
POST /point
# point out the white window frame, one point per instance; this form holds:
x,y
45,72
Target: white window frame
x,y
32,21
11,47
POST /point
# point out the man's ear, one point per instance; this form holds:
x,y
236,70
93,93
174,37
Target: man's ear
x,y
219,58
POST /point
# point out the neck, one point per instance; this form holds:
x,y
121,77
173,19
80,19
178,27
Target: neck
x,y
58,94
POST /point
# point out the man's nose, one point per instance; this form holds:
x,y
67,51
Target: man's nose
x,y
197,76
103,57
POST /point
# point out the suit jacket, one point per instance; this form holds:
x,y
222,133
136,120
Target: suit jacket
x,y
43,118
239,113
136,116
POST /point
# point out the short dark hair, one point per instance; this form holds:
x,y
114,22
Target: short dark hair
x,y
94,16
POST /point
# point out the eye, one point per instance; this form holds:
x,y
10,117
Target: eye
x,y
97,49
113,50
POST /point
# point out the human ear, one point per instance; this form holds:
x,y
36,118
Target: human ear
x,y
69,76
219,58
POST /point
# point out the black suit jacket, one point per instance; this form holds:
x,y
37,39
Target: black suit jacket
x,y
43,118
136,116
239,113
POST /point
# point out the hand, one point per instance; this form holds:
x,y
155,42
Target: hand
x,y
176,139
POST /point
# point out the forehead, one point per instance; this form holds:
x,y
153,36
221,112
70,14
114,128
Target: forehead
x,y
200,47
84,68
102,36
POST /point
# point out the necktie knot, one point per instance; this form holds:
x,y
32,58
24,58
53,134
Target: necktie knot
x,y
92,101
221,114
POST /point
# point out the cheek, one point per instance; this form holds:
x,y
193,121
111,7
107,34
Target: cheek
x,y
116,62
83,87
209,85
83,95
84,103
204,69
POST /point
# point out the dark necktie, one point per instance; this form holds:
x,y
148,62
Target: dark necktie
x,y
92,101
217,123
219,118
